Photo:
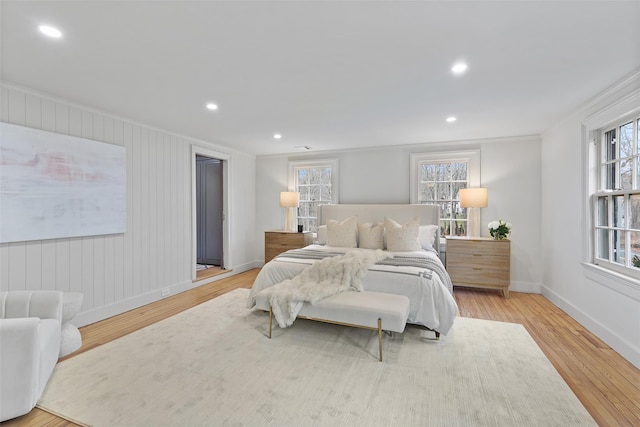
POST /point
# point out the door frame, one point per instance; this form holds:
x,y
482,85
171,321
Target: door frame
x,y
226,220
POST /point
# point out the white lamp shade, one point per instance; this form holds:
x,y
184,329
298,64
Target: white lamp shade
x,y
289,199
474,198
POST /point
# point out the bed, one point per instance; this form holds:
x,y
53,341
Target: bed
x,y
419,274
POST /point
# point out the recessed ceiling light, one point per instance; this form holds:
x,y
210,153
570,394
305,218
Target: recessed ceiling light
x,y
50,31
459,68
212,106
451,119
277,136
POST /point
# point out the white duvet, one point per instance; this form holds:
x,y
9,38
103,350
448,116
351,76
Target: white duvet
x,y
432,304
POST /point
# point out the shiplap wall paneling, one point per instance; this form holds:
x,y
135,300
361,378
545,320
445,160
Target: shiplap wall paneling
x,y
119,241
33,250
161,208
4,249
136,211
17,251
101,252
105,126
155,250
89,244
154,217
49,249
63,246
145,212
127,137
184,208
173,220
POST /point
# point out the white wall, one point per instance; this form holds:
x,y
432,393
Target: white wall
x,y
607,305
510,170
119,272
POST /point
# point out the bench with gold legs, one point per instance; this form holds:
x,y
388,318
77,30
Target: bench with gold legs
x,y
369,310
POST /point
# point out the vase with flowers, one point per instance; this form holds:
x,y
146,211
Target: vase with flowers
x,y
500,229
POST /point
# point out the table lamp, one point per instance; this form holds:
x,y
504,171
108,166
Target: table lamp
x,y
289,200
474,199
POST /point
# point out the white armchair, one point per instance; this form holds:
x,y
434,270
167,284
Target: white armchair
x,y
30,327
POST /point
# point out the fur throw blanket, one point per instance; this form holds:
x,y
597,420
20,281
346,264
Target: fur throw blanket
x,y
321,279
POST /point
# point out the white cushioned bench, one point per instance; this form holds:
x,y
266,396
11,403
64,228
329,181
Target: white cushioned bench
x,y
369,310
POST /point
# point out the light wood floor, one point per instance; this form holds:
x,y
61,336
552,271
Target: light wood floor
x,y
209,272
606,384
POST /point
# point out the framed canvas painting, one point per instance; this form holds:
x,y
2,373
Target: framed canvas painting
x,y
55,186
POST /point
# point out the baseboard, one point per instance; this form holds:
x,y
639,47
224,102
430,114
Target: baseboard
x,y
100,313
625,349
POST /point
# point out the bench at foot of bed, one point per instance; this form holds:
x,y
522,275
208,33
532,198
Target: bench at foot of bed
x,y
370,310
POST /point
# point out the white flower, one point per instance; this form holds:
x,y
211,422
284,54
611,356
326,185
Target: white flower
x,y
500,229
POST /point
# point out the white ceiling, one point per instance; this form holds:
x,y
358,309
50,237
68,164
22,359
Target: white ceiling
x,y
327,74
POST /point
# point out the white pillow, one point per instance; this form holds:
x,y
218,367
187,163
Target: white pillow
x,y
371,236
343,234
402,238
321,238
427,236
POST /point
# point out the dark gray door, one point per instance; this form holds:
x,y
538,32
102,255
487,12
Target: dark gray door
x,y
209,210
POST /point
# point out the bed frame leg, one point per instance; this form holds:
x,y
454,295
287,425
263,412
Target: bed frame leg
x,y
270,320
380,337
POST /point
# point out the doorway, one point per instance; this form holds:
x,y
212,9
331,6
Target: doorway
x,y
209,211
209,207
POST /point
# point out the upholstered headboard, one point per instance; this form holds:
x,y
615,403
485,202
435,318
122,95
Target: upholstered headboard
x,y
428,214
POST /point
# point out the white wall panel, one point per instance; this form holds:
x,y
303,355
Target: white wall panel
x,y
119,272
601,302
4,104
4,249
145,211
33,259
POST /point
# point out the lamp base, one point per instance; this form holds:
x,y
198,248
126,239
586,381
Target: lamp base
x,y
289,224
473,229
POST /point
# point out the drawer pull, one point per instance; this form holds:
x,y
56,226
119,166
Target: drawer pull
x,y
477,268
477,254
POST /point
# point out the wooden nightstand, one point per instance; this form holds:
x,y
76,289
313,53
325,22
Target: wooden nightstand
x,y
479,262
278,241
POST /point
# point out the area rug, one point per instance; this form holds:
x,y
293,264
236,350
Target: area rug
x,y
213,365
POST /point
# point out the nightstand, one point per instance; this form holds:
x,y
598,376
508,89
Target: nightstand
x,y
278,241
479,262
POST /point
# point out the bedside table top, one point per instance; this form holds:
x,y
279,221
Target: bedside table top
x,y
475,238
286,231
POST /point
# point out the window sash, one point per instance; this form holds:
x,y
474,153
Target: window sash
x,y
616,203
319,187
454,220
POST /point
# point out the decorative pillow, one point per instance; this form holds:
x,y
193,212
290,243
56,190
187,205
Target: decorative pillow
x,y
402,238
343,234
371,236
427,236
321,238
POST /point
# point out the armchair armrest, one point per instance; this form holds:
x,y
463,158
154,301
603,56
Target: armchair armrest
x,y
19,366
41,304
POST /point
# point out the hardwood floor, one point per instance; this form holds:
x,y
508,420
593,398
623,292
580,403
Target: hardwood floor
x,y
606,384
209,272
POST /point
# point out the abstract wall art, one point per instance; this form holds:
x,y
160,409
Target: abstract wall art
x,y
56,186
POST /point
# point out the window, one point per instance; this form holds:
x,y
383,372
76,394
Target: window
x,y
617,199
436,178
316,181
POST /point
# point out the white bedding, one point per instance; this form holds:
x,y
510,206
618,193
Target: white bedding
x,y
432,304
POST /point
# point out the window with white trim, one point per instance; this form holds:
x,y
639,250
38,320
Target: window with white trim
x,y
436,178
317,183
616,203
